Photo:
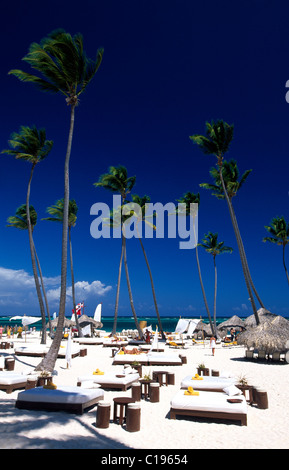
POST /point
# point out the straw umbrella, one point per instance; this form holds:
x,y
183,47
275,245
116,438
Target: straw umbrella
x,y
85,320
264,316
67,323
233,322
266,337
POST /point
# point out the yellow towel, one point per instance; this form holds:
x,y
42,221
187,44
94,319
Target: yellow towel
x,y
121,352
197,377
50,386
191,391
98,372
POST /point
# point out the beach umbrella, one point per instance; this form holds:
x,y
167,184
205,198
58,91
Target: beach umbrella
x,y
264,316
97,313
67,323
266,337
233,322
68,350
84,320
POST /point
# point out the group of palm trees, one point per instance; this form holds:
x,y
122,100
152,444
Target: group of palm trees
x,y
64,68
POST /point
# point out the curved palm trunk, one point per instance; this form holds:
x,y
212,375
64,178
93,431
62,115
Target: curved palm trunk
x,y
113,332
284,262
245,258
80,334
49,360
243,261
215,299
129,289
201,282
153,290
34,268
43,290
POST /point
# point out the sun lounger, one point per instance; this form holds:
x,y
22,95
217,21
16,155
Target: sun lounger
x,y
88,340
109,380
207,383
10,381
213,405
64,398
164,359
75,351
122,359
35,350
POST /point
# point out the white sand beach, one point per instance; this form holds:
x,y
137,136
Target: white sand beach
x,y
266,428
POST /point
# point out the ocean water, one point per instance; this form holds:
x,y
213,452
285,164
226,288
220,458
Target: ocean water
x,y
123,323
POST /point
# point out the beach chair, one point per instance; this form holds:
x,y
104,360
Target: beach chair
x,y
249,354
164,359
276,356
262,356
109,380
10,381
207,383
212,405
64,398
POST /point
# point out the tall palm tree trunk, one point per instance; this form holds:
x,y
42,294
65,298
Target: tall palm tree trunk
x,y
245,259
80,334
113,332
49,360
43,290
129,289
201,281
34,268
237,232
153,289
284,264
215,298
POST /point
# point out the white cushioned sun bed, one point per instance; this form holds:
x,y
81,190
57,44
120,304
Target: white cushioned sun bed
x,y
31,350
88,340
109,380
10,381
209,383
165,359
151,358
210,405
121,359
64,398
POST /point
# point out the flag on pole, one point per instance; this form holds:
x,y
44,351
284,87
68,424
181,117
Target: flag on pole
x,y
78,308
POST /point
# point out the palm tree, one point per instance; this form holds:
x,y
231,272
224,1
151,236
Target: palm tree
x,y
64,68
188,199
56,212
117,181
19,220
232,184
211,244
142,203
279,229
30,144
216,142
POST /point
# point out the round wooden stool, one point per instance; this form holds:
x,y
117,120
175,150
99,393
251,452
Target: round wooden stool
x,y
122,402
103,415
133,417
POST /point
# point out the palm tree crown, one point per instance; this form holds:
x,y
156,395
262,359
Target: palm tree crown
x,y
19,220
63,64
29,144
231,180
57,212
117,181
212,246
219,135
279,229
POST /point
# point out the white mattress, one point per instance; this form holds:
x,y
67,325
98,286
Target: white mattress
x,y
208,382
32,348
63,394
141,358
109,378
163,357
88,340
10,378
209,401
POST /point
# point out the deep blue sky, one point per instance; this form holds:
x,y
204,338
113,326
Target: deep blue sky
x,y
168,67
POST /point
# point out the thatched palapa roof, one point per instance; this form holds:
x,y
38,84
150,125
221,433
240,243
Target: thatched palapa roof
x,y
267,337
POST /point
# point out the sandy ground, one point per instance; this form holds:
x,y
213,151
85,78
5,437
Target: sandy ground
x,y
266,429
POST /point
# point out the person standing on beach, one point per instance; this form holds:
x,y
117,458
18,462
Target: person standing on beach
x,y
213,344
1,331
